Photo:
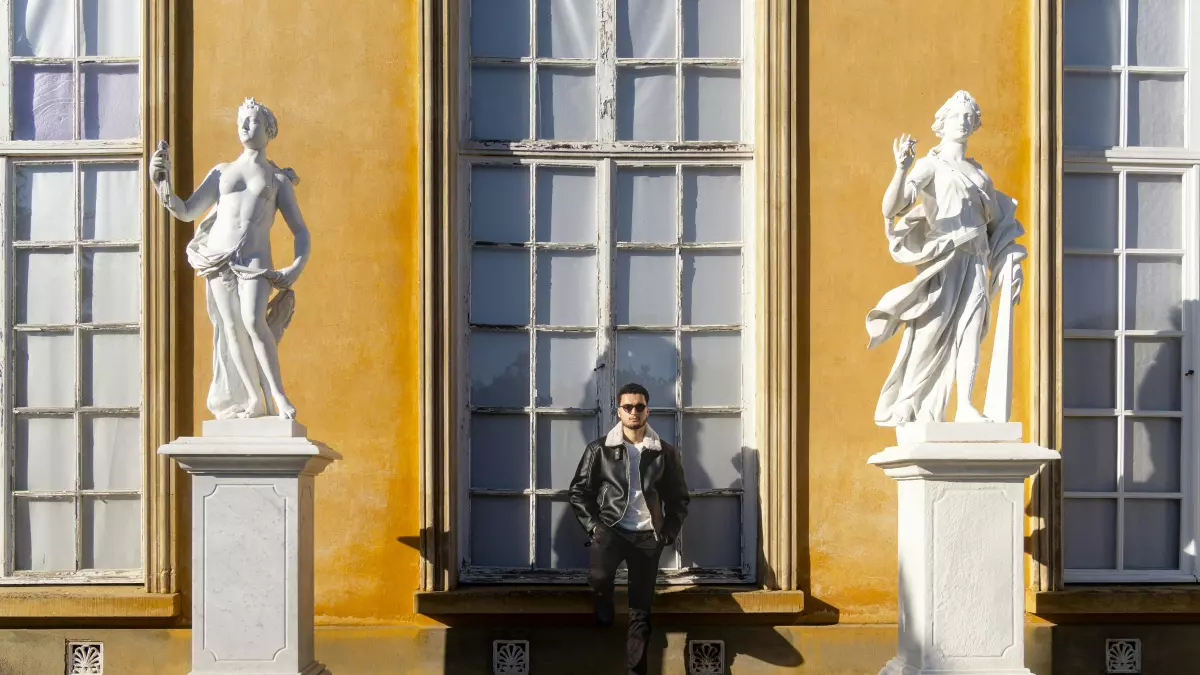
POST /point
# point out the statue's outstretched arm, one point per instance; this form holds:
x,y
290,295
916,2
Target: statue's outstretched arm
x,y
202,198
289,207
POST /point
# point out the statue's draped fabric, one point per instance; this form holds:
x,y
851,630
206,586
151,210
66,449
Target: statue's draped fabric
x,y
227,396
958,233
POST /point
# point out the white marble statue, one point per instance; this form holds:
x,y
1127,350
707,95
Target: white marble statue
x,y
945,218
232,251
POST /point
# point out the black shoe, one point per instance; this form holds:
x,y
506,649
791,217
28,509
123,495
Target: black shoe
x,y
604,611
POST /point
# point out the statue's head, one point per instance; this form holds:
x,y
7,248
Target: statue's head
x,y
958,118
256,124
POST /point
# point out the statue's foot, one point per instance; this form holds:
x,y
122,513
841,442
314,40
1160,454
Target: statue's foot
x,y
254,407
286,410
968,413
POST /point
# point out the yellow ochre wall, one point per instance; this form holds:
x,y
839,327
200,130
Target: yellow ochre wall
x,y
343,79
878,69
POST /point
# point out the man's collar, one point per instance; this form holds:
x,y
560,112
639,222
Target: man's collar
x,y
617,437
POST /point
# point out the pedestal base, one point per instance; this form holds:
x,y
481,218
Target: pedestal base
x,y
961,514
252,545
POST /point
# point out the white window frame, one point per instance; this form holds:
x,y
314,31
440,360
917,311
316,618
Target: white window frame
x,y
605,156
78,152
1123,160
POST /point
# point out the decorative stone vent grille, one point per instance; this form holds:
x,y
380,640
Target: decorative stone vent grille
x,y
85,658
706,657
510,657
1124,656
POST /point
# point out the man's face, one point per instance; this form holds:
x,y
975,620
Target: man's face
x,y
633,411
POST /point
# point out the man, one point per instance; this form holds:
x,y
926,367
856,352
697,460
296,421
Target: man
x,y
630,495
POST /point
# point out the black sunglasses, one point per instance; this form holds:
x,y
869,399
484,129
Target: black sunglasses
x,y
630,407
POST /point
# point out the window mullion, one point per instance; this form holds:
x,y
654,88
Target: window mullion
x,y
533,364
606,73
605,335
7,507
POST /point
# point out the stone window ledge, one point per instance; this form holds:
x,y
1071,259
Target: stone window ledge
x,y
34,602
578,600
1115,600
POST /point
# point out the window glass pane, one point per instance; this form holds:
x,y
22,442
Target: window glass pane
x,y
1090,109
1092,32
110,101
566,206
646,288
712,369
1152,374
1151,534
712,108
1154,211
112,283
500,203
664,425
1090,534
45,453
45,287
112,369
1089,374
499,102
1089,454
42,108
1090,209
112,208
1153,292
500,286
43,28
645,30
646,104
1156,110
45,535
44,206
567,29
712,204
500,451
1152,448
500,531
650,359
112,453
562,543
1156,30
566,288
500,28
712,287
646,204
560,443
112,27
714,451
712,535
712,28
45,371
566,370
112,533
499,368
566,103
1089,292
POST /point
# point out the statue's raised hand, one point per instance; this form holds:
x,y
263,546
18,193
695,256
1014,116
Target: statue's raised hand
x,y
160,164
902,148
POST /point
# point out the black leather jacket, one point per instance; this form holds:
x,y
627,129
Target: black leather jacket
x,y
600,489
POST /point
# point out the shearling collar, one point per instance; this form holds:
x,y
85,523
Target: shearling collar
x,y
617,437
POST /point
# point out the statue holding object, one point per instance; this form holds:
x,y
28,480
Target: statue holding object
x,y
231,250
943,216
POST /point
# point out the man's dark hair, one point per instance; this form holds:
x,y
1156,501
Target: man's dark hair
x,y
635,389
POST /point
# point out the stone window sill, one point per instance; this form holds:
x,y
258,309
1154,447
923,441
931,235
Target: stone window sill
x,y
1115,600
70,602
578,600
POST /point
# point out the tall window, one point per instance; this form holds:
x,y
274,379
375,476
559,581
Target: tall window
x,y
1131,131
607,168
71,219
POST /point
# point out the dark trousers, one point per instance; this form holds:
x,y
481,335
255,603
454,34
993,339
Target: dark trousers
x,y
640,552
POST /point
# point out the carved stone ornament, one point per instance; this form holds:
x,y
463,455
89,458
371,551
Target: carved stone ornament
x,y
231,251
943,216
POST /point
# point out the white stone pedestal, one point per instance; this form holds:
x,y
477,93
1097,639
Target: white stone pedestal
x,y
252,545
961,542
